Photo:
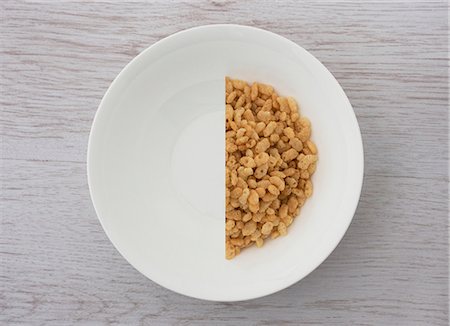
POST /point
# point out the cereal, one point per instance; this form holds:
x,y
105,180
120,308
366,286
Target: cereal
x,y
269,163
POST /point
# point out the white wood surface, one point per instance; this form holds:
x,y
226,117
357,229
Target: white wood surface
x,y
57,265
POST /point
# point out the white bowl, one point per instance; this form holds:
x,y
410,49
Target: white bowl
x,y
156,162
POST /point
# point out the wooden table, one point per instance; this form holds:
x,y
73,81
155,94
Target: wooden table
x,y
58,59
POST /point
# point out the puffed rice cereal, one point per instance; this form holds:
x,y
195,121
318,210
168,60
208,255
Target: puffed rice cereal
x,y
270,159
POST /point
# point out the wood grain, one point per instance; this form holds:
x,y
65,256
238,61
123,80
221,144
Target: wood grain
x,y
57,265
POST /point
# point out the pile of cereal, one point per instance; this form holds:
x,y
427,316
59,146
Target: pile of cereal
x,y
269,163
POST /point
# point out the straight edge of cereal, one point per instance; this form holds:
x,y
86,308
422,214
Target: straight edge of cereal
x,y
269,160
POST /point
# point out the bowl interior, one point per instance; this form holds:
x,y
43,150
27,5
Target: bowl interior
x,y
156,162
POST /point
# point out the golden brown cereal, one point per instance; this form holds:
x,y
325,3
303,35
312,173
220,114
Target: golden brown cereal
x,y
289,132
229,225
270,160
267,228
261,171
231,97
289,155
292,105
249,228
253,197
296,144
282,228
238,84
275,234
247,217
262,145
259,242
265,89
261,191
273,190
304,161
254,91
278,182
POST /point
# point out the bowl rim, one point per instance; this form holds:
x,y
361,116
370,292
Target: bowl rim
x,y
359,153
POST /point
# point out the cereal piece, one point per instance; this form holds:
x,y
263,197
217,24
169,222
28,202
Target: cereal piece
x,y
245,172
263,206
249,228
264,183
238,242
278,182
283,211
234,215
243,198
255,235
253,198
274,235
312,147
228,85
267,228
251,182
284,107
289,155
257,217
282,228
247,93
304,161
240,102
296,144
261,171
239,84
264,115
241,183
288,220
274,138
275,204
272,218
308,188
230,251
260,126
267,106
254,208
272,161
270,128
259,242
292,204
265,89
248,162
291,103
236,193
261,191
268,197
231,97
291,182
289,132
229,112
242,140
247,217
273,190
229,225
261,159
262,145
260,102
254,91
248,115
304,174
